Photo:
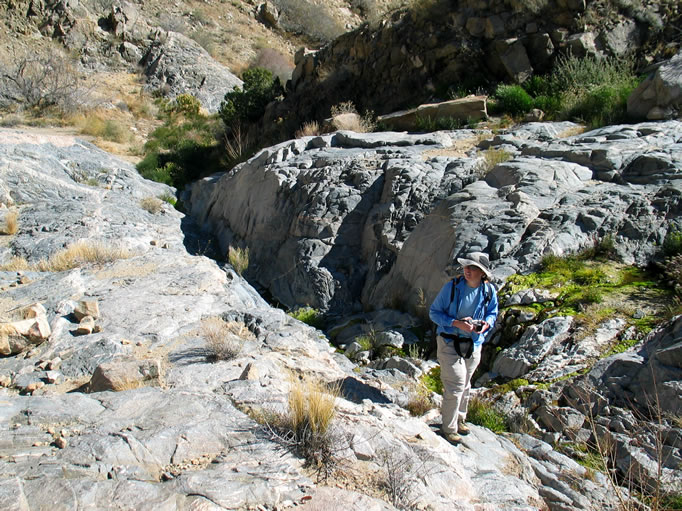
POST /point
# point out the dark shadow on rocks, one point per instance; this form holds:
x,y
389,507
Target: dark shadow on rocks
x,y
199,242
356,391
190,356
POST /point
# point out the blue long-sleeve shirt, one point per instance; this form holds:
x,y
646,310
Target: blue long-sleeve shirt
x,y
443,312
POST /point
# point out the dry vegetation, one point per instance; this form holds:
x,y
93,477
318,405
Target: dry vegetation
x,y
75,255
224,339
11,224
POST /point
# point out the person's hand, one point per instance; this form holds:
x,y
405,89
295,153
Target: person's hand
x,y
463,324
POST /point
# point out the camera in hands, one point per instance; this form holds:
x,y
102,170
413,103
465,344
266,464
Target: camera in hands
x,y
477,325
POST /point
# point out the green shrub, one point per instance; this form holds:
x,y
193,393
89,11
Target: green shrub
x,y
672,244
603,105
309,316
484,414
513,99
185,147
432,380
248,104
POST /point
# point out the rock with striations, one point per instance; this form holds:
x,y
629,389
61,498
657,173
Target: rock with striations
x,y
176,64
366,220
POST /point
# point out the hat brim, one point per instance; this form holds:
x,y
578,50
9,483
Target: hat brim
x,y
470,262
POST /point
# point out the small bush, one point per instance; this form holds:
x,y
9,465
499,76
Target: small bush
x,y
309,316
484,414
11,222
248,104
238,258
491,158
185,147
224,339
428,124
513,99
151,205
432,381
41,81
310,19
673,273
419,401
672,244
168,198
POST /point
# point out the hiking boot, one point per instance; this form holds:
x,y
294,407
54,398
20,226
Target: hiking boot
x,y
453,438
463,429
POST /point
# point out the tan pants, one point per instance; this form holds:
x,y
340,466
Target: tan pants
x,y
455,373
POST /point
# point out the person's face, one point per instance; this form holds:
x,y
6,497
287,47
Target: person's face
x,y
473,274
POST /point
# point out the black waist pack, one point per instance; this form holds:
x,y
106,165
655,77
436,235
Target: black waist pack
x,y
464,346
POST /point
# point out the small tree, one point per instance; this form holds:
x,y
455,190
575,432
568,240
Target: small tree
x,y
248,104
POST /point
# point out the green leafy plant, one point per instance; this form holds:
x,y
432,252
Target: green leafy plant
x,y
432,381
513,99
185,147
309,316
672,243
484,414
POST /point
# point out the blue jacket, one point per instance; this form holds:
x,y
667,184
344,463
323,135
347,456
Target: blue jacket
x,y
443,312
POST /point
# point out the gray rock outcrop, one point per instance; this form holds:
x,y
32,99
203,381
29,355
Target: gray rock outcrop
x,y
371,221
175,64
186,442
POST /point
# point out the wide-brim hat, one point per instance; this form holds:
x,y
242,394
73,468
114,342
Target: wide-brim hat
x,y
478,259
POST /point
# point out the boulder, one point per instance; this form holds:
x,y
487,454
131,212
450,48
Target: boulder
x,y
121,375
660,95
464,109
86,308
535,344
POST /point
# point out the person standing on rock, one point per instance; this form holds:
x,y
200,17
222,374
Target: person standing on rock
x,y
464,311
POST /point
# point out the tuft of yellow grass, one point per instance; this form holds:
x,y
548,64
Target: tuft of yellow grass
x,y
312,406
16,263
238,258
308,129
11,222
80,254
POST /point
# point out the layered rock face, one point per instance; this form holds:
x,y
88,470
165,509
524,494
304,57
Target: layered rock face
x,y
115,35
416,56
175,435
349,221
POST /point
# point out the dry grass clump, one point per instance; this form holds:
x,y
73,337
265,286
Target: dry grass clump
x,y
151,205
97,125
355,122
309,128
80,254
16,263
224,339
11,222
306,428
420,400
492,158
238,258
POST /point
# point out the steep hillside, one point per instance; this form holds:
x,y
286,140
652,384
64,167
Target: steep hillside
x,y
444,49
